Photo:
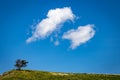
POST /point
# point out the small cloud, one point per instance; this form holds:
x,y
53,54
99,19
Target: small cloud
x,y
55,18
51,39
80,35
56,43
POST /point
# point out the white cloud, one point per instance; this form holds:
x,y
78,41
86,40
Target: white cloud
x,y
55,18
80,35
56,43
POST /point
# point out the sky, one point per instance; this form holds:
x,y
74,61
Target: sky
x,y
81,36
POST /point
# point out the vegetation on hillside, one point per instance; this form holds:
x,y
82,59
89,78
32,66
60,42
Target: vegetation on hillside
x,y
20,74
42,75
20,63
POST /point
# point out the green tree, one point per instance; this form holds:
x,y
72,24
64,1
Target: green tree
x,y
20,63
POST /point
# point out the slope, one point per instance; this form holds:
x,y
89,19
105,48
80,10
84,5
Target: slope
x,y
44,75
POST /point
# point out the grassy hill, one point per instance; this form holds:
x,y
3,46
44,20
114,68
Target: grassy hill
x,y
42,75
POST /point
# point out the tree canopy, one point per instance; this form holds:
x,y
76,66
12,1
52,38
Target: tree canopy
x,y
20,63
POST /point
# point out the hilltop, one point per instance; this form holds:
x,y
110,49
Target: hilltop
x,y
44,75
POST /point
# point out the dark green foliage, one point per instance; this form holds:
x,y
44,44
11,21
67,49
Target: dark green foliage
x,y
42,75
20,63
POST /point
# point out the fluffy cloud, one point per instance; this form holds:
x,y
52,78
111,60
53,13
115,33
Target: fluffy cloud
x,y
80,35
55,18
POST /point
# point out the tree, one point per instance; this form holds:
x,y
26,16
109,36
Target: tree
x,y
20,63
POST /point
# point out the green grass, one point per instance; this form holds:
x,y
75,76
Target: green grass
x,y
43,75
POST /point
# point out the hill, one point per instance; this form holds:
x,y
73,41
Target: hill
x,y
43,75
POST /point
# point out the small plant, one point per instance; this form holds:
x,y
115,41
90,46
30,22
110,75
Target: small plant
x,y
20,63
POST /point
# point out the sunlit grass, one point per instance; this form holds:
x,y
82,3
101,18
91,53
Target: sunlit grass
x,y
43,75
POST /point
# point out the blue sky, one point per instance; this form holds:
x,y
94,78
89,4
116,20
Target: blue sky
x,y
100,54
